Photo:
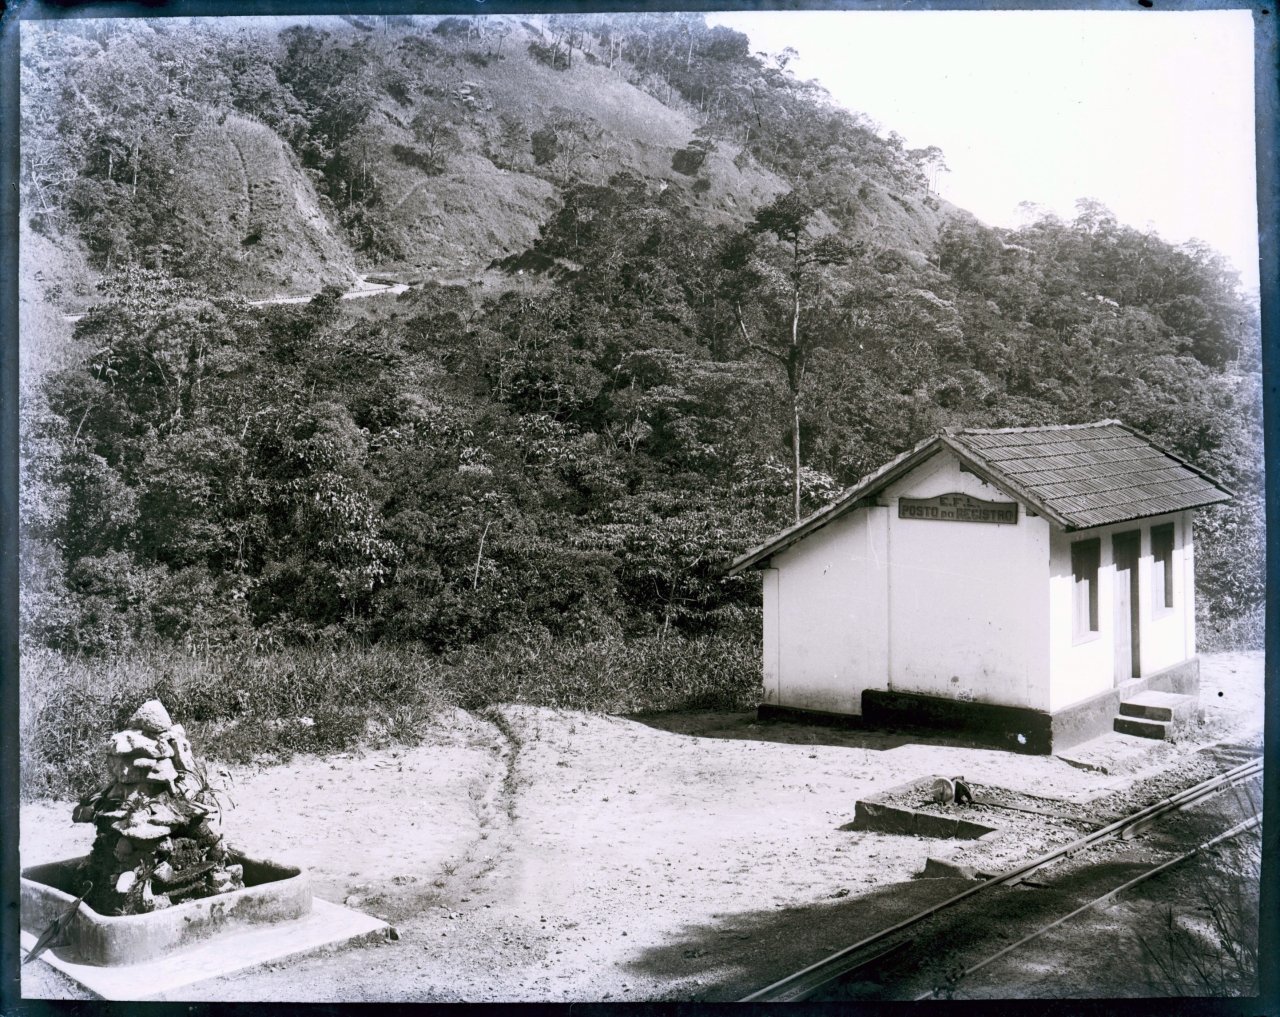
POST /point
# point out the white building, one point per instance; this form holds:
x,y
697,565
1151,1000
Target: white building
x,y
1018,584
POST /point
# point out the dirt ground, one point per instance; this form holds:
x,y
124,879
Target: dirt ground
x,y
545,855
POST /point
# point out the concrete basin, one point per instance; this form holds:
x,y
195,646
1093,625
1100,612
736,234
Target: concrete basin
x,y
887,812
272,893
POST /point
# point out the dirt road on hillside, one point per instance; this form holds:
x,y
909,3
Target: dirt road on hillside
x,y
362,288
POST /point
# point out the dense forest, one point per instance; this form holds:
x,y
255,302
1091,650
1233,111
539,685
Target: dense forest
x,y
622,336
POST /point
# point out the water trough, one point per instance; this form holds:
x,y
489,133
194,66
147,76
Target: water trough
x,y
162,902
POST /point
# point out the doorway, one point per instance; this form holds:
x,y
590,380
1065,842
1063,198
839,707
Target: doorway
x,y
1126,550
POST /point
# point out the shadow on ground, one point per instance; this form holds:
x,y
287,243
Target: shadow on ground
x,y
749,950
745,727
746,952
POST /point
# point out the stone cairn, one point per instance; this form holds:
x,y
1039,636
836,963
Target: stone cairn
x,y
155,844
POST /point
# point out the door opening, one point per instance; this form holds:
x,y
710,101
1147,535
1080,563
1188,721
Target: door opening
x,y
1126,549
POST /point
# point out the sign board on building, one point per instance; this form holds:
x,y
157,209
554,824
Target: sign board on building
x,y
959,508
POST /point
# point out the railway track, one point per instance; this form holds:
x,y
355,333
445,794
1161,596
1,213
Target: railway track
x,y
890,946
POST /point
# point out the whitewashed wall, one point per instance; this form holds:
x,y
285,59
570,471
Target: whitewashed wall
x,y
969,606
825,609
1083,669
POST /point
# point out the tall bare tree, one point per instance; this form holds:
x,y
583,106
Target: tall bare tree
x,y
773,287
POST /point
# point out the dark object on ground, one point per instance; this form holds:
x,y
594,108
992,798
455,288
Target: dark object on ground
x,y
53,935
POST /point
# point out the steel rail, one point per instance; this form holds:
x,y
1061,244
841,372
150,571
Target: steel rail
x,y
1235,831
801,984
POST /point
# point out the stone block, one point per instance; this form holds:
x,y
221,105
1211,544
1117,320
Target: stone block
x,y
131,772
163,771
151,718
135,743
138,828
176,739
1143,728
1155,705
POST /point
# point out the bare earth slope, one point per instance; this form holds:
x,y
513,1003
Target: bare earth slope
x,y
253,200
476,211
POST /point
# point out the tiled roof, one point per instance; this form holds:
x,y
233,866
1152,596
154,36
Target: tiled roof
x,y
1091,474
1077,475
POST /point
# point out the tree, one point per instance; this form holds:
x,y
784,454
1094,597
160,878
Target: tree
x,y
791,280
930,162
437,135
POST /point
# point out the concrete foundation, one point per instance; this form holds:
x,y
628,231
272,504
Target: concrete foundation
x,y
875,814
1016,729
272,893
325,927
1096,716
770,711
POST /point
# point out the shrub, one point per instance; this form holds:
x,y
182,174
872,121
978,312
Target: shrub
x,y
689,160
1247,631
545,145
238,704
431,165
452,28
552,56
611,675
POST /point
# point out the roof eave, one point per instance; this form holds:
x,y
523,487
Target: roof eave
x,y
1081,527
1179,460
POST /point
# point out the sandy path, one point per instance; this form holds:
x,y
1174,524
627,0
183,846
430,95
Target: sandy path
x,y
557,855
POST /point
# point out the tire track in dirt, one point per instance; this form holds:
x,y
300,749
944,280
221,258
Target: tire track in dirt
x,y
484,864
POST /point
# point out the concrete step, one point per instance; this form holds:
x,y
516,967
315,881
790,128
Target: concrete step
x,y
1167,706
1143,727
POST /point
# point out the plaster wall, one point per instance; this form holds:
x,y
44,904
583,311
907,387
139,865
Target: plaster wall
x,y
826,616
1084,666
968,602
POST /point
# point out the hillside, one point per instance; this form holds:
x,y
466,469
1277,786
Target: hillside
x,y
412,148
477,210
253,200
658,284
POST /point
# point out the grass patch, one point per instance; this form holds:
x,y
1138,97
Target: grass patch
x,y
238,706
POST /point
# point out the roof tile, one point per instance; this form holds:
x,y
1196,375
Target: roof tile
x,y
1092,474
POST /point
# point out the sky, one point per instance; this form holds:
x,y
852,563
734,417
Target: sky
x,y
1149,112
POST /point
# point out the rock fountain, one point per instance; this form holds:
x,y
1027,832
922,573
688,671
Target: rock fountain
x,y
162,901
